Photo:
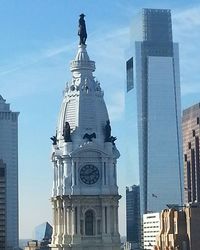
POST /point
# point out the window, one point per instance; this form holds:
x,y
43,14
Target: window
x,y
185,157
89,222
81,227
99,227
129,74
2,172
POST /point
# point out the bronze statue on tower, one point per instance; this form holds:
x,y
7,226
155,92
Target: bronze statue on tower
x,y
82,30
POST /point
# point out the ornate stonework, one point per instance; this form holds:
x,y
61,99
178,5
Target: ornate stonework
x,y
85,193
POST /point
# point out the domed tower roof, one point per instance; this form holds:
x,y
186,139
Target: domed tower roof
x,y
83,106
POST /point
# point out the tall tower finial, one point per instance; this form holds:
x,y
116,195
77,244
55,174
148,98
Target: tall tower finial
x,y
82,30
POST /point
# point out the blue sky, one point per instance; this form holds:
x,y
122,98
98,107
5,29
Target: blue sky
x,y
38,40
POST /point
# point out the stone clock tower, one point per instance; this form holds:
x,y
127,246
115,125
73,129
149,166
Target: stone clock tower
x,y
85,194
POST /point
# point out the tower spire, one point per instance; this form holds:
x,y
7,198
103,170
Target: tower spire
x,y
82,30
85,192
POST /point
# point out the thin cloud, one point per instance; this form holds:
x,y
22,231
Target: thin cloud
x,y
188,90
188,18
186,26
30,59
116,106
34,68
10,70
55,51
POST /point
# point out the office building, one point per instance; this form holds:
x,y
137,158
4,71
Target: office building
x,y
191,133
153,75
85,195
9,155
32,245
42,239
192,214
36,245
179,228
2,205
173,232
43,232
151,229
133,216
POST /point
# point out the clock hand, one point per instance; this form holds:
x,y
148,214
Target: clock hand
x,y
93,172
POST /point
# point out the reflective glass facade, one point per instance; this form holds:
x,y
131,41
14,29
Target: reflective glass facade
x,y
43,232
191,134
2,205
9,155
156,72
129,74
133,214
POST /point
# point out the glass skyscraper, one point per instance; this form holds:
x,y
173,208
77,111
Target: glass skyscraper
x,y
133,216
191,134
2,205
153,75
43,232
9,156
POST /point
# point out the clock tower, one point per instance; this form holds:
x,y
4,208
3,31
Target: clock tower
x,y
84,155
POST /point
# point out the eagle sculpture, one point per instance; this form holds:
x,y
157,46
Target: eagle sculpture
x,y
89,137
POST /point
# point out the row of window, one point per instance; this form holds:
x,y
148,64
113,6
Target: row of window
x,y
151,225
147,236
8,116
150,222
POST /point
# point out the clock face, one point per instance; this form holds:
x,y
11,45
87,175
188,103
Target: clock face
x,y
89,174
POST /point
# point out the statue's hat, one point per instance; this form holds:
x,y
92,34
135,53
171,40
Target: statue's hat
x,y
82,15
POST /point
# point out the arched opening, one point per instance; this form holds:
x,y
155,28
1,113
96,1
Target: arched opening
x,y
89,222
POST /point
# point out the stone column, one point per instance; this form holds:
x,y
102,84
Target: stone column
x,y
73,174
54,189
103,220
66,232
64,218
114,174
111,176
76,171
67,175
107,172
54,221
60,177
69,167
78,219
108,219
103,173
106,236
59,236
73,220
68,221
115,219
64,174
